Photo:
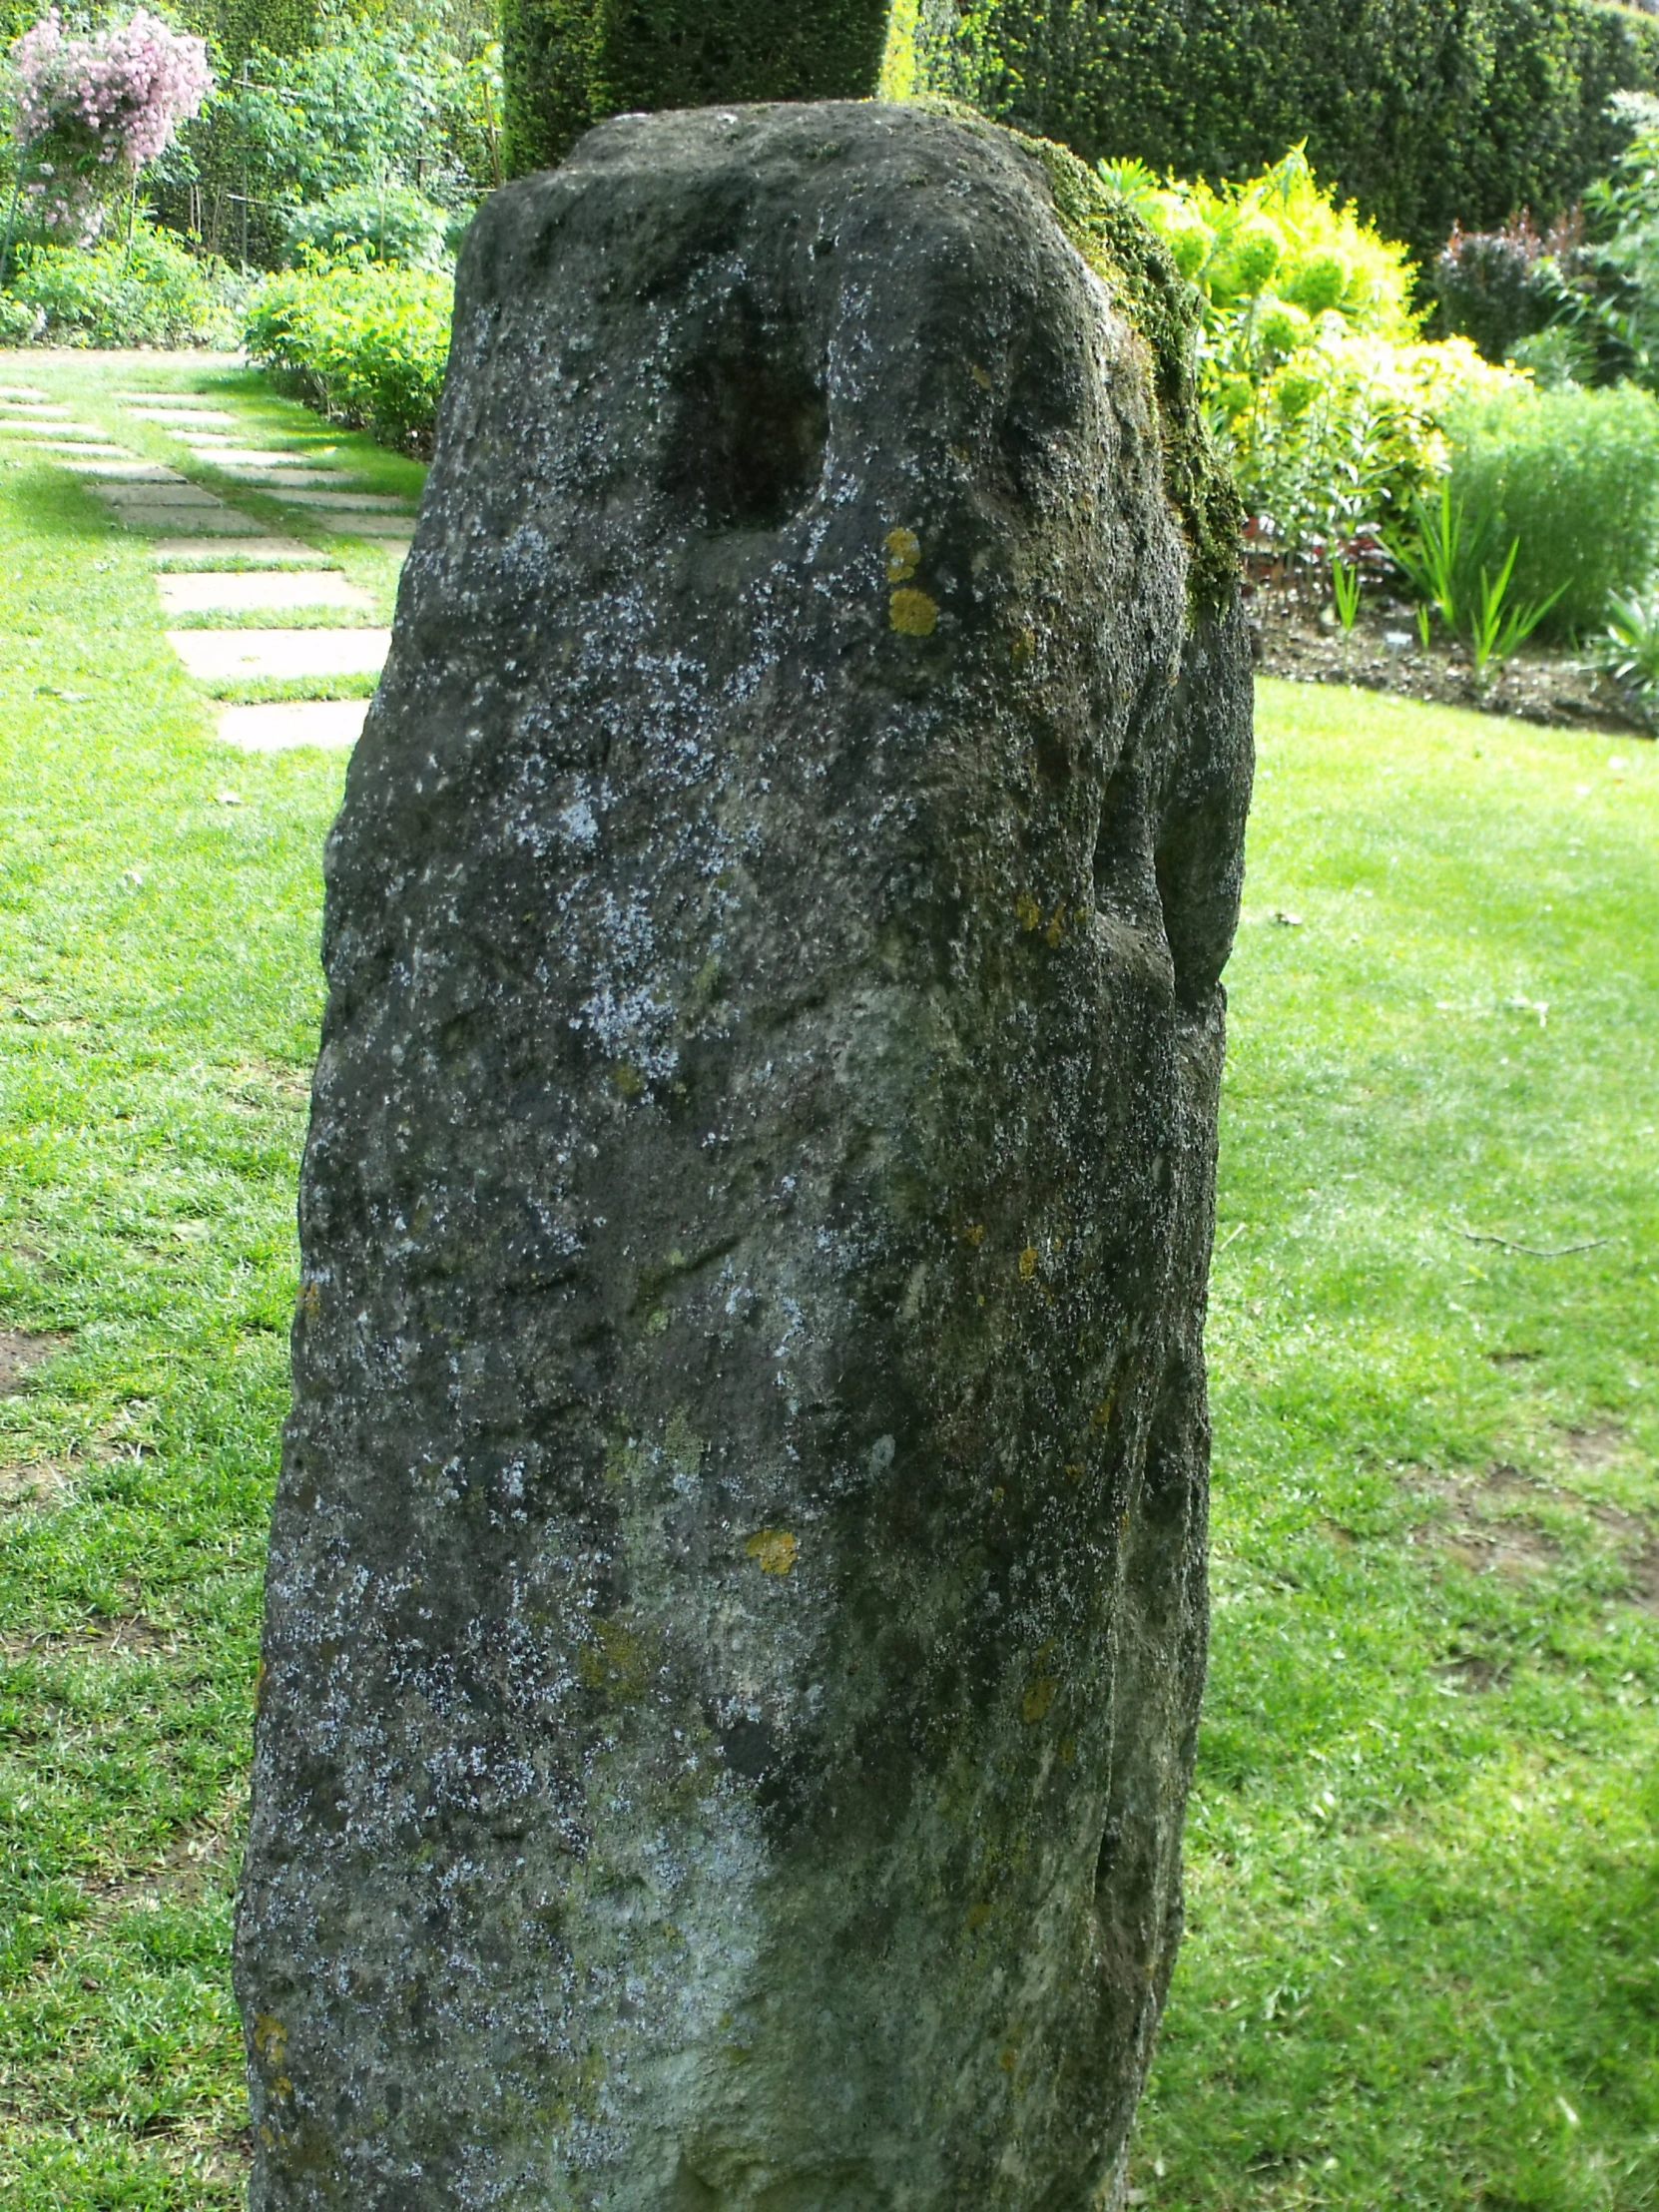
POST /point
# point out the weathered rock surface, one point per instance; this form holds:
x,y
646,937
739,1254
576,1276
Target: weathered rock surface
x,y
736,1609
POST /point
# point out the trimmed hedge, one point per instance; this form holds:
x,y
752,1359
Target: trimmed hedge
x,y
1424,112
570,63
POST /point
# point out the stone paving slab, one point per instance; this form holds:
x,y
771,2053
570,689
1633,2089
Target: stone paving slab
x,y
353,524
247,456
31,410
335,723
195,419
83,446
56,429
253,543
189,595
277,476
357,502
21,391
156,496
172,522
132,472
220,656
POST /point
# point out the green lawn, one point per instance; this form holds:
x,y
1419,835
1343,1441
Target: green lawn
x,y
1425,1898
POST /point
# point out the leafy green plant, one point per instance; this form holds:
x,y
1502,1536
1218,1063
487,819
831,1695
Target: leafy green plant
x,y
144,290
1498,624
1278,245
1428,555
1436,558
385,223
1317,384
1574,475
1630,651
368,344
1345,590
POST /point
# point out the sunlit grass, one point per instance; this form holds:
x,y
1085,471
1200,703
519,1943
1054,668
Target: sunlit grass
x,y
1423,1874
1424,1915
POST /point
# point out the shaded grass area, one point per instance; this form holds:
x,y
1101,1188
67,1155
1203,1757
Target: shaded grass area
x,y
159,997
1423,1849
1423,1892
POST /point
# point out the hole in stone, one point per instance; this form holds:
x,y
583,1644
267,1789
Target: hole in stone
x,y
751,430
1110,1845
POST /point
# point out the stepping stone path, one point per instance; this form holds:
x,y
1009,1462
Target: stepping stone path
x,y
188,523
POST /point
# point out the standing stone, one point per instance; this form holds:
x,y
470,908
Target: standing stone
x,y
736,1611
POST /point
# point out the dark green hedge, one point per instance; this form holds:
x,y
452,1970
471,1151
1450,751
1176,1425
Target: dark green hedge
x,y
1423,111
570,62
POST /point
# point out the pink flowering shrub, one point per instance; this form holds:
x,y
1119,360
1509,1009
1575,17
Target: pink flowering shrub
x,y
91,110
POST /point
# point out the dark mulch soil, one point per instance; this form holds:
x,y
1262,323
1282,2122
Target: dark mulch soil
x,y
1544,684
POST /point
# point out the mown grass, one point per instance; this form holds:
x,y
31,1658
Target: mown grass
x,y
1424,1876
158,998
1424,1900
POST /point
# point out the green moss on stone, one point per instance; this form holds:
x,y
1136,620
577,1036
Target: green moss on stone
x,y
1150,293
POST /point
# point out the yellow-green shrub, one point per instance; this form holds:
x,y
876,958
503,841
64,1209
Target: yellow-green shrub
x,y
1318,382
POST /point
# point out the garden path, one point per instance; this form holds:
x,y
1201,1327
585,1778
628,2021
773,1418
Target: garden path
x,y
219,566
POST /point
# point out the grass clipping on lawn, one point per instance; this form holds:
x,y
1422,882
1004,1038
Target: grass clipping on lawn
x,y
1421,1966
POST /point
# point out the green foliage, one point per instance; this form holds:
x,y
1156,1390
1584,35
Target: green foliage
x,y
1630,651
368,344
1327,403
371,106
1574,475
1279,249
1501,288
387,222
143,290
1345,590
1424,115
569,62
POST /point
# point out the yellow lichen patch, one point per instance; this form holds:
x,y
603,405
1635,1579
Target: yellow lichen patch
x,y
1023,651
904,550
1007,2059
627,1080
981,377
270,2037
1056,927
1027,911
1068,1750
1102,1414
1029,1263
913,614
977,1915
1074,1470
1039,1696
974,1234
773,1550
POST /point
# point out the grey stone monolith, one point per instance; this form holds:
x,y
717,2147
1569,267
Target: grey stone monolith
x,y
736,1611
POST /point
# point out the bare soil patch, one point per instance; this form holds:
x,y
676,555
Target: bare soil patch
x,y
1594,1447
21,1350
1559,687
39,1482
